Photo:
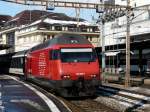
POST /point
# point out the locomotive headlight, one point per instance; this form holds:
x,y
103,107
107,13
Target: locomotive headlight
x,y
65,76
94,76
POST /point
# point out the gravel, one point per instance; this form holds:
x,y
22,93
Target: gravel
x,y
116,105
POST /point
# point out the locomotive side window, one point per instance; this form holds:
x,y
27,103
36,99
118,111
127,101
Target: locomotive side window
x,y
55,54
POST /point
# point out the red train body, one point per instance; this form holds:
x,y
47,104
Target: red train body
x,y
66,63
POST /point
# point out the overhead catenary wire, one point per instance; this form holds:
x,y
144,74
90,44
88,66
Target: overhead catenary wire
x,y
124,24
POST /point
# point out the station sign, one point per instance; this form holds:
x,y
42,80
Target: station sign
x,y
50,5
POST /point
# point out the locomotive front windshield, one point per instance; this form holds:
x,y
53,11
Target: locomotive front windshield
x,y
78,55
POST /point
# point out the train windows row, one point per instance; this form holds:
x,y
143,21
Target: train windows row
x,y
17,62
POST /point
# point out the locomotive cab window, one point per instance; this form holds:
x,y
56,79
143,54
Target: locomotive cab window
x,y
78,55
54,54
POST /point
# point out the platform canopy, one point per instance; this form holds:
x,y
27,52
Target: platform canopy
x,y
112,53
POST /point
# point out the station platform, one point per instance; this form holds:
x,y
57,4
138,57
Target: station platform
x,y
138,89
17,96
135,80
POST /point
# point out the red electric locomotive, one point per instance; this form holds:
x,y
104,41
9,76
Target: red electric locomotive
x,y
66,63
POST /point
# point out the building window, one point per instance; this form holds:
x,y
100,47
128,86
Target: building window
x,y
72,28
32,38
24,39
58,28
21,41
148,14
50,27
90,38
48,37
1,39
52,36
53,28
10,40
87,37
91,29
84,29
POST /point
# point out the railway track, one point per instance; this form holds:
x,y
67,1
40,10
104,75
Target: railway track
x,y
130,99
82,104
78,104
74,104
68,105
86,105
90,105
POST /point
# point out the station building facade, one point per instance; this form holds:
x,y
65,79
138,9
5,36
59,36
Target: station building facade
x,y
115,39
31,27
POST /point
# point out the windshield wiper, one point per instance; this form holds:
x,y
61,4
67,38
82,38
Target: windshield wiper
x,y
90,60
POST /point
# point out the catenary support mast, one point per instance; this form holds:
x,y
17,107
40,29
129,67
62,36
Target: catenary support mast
x,y
127,75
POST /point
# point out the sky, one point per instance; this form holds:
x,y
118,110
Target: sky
x,y
138,2
12,9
